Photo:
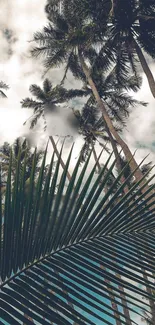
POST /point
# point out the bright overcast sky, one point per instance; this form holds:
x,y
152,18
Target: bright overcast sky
x,y
22,18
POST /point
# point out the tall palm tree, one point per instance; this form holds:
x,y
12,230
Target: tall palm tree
x,y
68,39
51,250
132,29
3,87
118,104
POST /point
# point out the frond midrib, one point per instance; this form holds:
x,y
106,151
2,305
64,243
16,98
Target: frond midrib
x,y
56,252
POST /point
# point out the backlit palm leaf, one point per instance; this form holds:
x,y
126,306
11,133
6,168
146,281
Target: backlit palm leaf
x,y
60,253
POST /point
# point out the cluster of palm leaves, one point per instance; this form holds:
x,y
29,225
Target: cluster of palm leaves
x,y
19,145
89,44
78,248
74,255
3,86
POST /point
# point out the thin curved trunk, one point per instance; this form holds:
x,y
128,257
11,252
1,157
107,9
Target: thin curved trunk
x,y
113,5
145,67
66,293
99,168
95,158
123,296
148,290
118,161
129,157
112,300
58,156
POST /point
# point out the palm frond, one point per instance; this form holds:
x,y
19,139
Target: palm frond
x,y
47,86
58,250
5,87
30,103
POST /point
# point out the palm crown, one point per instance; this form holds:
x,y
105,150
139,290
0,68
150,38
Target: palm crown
x,y
72,40
49,96
132,29
20,146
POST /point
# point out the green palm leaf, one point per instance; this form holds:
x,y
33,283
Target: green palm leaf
x,y
61,254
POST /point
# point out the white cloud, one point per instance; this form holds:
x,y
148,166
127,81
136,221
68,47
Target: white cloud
x,y
19,70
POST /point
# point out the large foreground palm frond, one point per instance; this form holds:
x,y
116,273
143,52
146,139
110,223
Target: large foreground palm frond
x,y
61,255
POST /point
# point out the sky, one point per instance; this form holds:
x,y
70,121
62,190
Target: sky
x,y
18,21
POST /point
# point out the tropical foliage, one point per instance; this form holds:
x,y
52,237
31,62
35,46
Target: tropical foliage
x,y
78,248
47,98
20,146
73,39
65,257
3,87
132,30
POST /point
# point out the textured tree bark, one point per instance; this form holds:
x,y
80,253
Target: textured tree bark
x,y
129,157
113,303
145,67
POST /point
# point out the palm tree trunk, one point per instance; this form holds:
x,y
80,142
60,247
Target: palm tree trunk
x,y
148,290
99,168
113,303
113,5
125,308
58,156
145,67
95,158
66,293
129,157
118,161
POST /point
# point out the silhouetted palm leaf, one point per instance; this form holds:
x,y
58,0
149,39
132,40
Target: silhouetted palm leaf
x,y
53,247
4,87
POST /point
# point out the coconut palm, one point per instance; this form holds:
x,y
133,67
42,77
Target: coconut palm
x,y
3,86
118,104
19,145
47,99
132,28
129,31
53,251
70,39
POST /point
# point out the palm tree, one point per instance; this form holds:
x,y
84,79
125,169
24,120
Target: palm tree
x,y
3,86
132,28
70,39
51,250
118,105
129,30
48,98
20,146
